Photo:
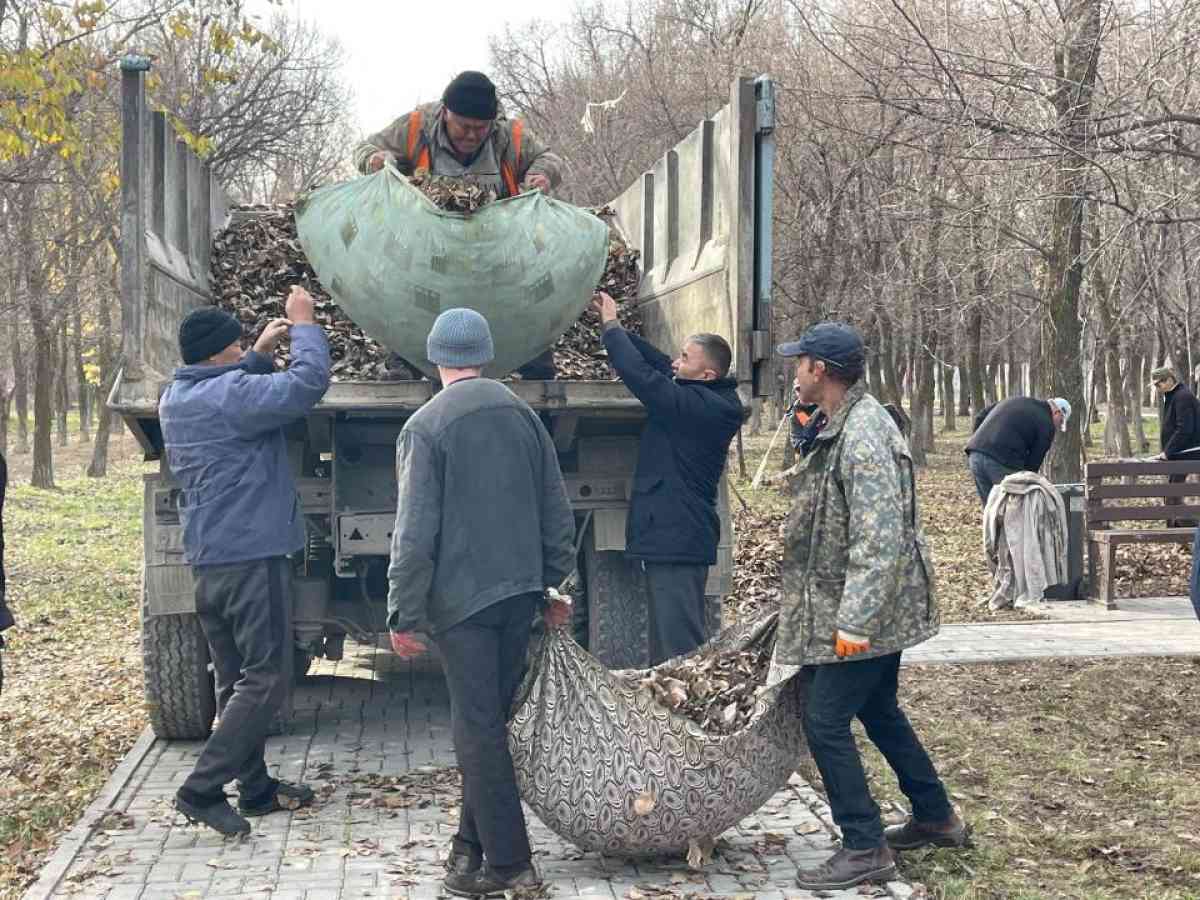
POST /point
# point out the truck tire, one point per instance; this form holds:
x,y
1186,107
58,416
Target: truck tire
x,y
181,698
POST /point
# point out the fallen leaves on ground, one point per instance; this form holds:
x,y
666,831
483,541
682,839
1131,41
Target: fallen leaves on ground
x,y
1080,777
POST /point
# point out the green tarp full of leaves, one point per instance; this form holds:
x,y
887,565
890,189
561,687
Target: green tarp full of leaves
x,y
392,260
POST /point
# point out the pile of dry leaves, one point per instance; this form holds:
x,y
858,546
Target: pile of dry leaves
x,y
255,262
757,561
716,692
257,259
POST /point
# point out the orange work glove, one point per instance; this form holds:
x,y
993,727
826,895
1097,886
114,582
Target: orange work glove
x,y
849,644
406,645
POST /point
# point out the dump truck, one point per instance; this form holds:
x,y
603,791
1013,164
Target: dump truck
x,y
701,220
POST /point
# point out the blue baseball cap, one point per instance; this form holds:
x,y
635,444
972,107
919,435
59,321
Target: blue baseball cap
x,y
835,343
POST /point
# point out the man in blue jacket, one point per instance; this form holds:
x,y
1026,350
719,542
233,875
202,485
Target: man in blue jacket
x,y
222,419
693,413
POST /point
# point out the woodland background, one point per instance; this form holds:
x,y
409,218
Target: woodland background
x,y
1001,193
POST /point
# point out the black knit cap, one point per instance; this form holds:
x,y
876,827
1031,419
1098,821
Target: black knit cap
x,y
472,95
206,332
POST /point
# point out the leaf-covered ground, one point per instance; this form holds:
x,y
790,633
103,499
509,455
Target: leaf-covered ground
x,y
72,701
1080,777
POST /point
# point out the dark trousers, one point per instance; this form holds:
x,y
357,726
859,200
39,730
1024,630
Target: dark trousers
x,y
484,659
676,596
245,611
986,472
836,694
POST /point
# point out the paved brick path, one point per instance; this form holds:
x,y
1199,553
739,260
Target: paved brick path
x,y
1156,626
371,714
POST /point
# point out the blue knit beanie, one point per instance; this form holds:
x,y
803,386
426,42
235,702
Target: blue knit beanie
x,y
460,339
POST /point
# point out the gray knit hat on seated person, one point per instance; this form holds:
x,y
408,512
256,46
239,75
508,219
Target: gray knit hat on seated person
x,y
460,339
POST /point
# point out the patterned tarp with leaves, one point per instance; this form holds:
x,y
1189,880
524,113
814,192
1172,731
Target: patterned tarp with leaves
x,y
588,742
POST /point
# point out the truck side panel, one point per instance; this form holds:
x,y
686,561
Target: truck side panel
x,y
692,217
170,208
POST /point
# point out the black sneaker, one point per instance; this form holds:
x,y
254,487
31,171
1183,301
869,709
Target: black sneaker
x,y
219,816
286,796
486,882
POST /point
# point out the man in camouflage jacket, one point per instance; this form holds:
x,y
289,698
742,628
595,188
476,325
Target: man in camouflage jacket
x,y
857,590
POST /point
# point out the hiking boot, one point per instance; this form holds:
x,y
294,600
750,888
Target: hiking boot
x,y
846,868
487,882
283,796
464,859
218,816
911,834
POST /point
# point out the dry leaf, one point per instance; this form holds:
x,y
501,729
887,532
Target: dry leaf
x,y
644,803
700,852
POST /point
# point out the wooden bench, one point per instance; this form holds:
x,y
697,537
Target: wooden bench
x,y
1110,486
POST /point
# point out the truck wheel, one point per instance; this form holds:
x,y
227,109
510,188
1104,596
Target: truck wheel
x,y
180,696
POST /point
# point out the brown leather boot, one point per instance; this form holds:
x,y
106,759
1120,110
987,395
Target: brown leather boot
x,y
847,868
911,834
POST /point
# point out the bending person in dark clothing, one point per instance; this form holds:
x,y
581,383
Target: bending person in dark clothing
x,y
1013,435
673,528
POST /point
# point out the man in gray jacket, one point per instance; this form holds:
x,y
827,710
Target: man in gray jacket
x,y
483,526
222,420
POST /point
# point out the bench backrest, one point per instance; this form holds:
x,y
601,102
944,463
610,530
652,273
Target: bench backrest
x,y
1106,490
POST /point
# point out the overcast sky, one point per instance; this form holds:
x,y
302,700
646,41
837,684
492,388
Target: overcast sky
x,y
403,52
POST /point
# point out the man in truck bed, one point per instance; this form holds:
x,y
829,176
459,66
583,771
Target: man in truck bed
x,y
466,135
693,413
222,420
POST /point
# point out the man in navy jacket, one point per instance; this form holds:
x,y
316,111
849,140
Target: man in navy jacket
x,y
222,420
673,528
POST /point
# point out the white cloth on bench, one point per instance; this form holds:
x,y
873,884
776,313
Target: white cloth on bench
x,y
1025,539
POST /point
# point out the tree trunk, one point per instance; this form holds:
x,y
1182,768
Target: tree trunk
x,y
1135,385
20,390
63,384
84,389
1076,60
5,407
1116,426
98,467
43,396
949,409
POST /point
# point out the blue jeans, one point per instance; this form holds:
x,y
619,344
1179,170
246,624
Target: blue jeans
x,y
839,692
987,472
1194,584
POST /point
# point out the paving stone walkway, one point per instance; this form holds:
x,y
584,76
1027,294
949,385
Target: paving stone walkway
x,y
1153,626
371,716
354,722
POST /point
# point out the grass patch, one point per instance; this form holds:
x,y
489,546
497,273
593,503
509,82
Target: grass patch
x,y
1081,778
72,702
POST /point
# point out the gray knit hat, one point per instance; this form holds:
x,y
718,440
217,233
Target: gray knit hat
x,y
460,339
